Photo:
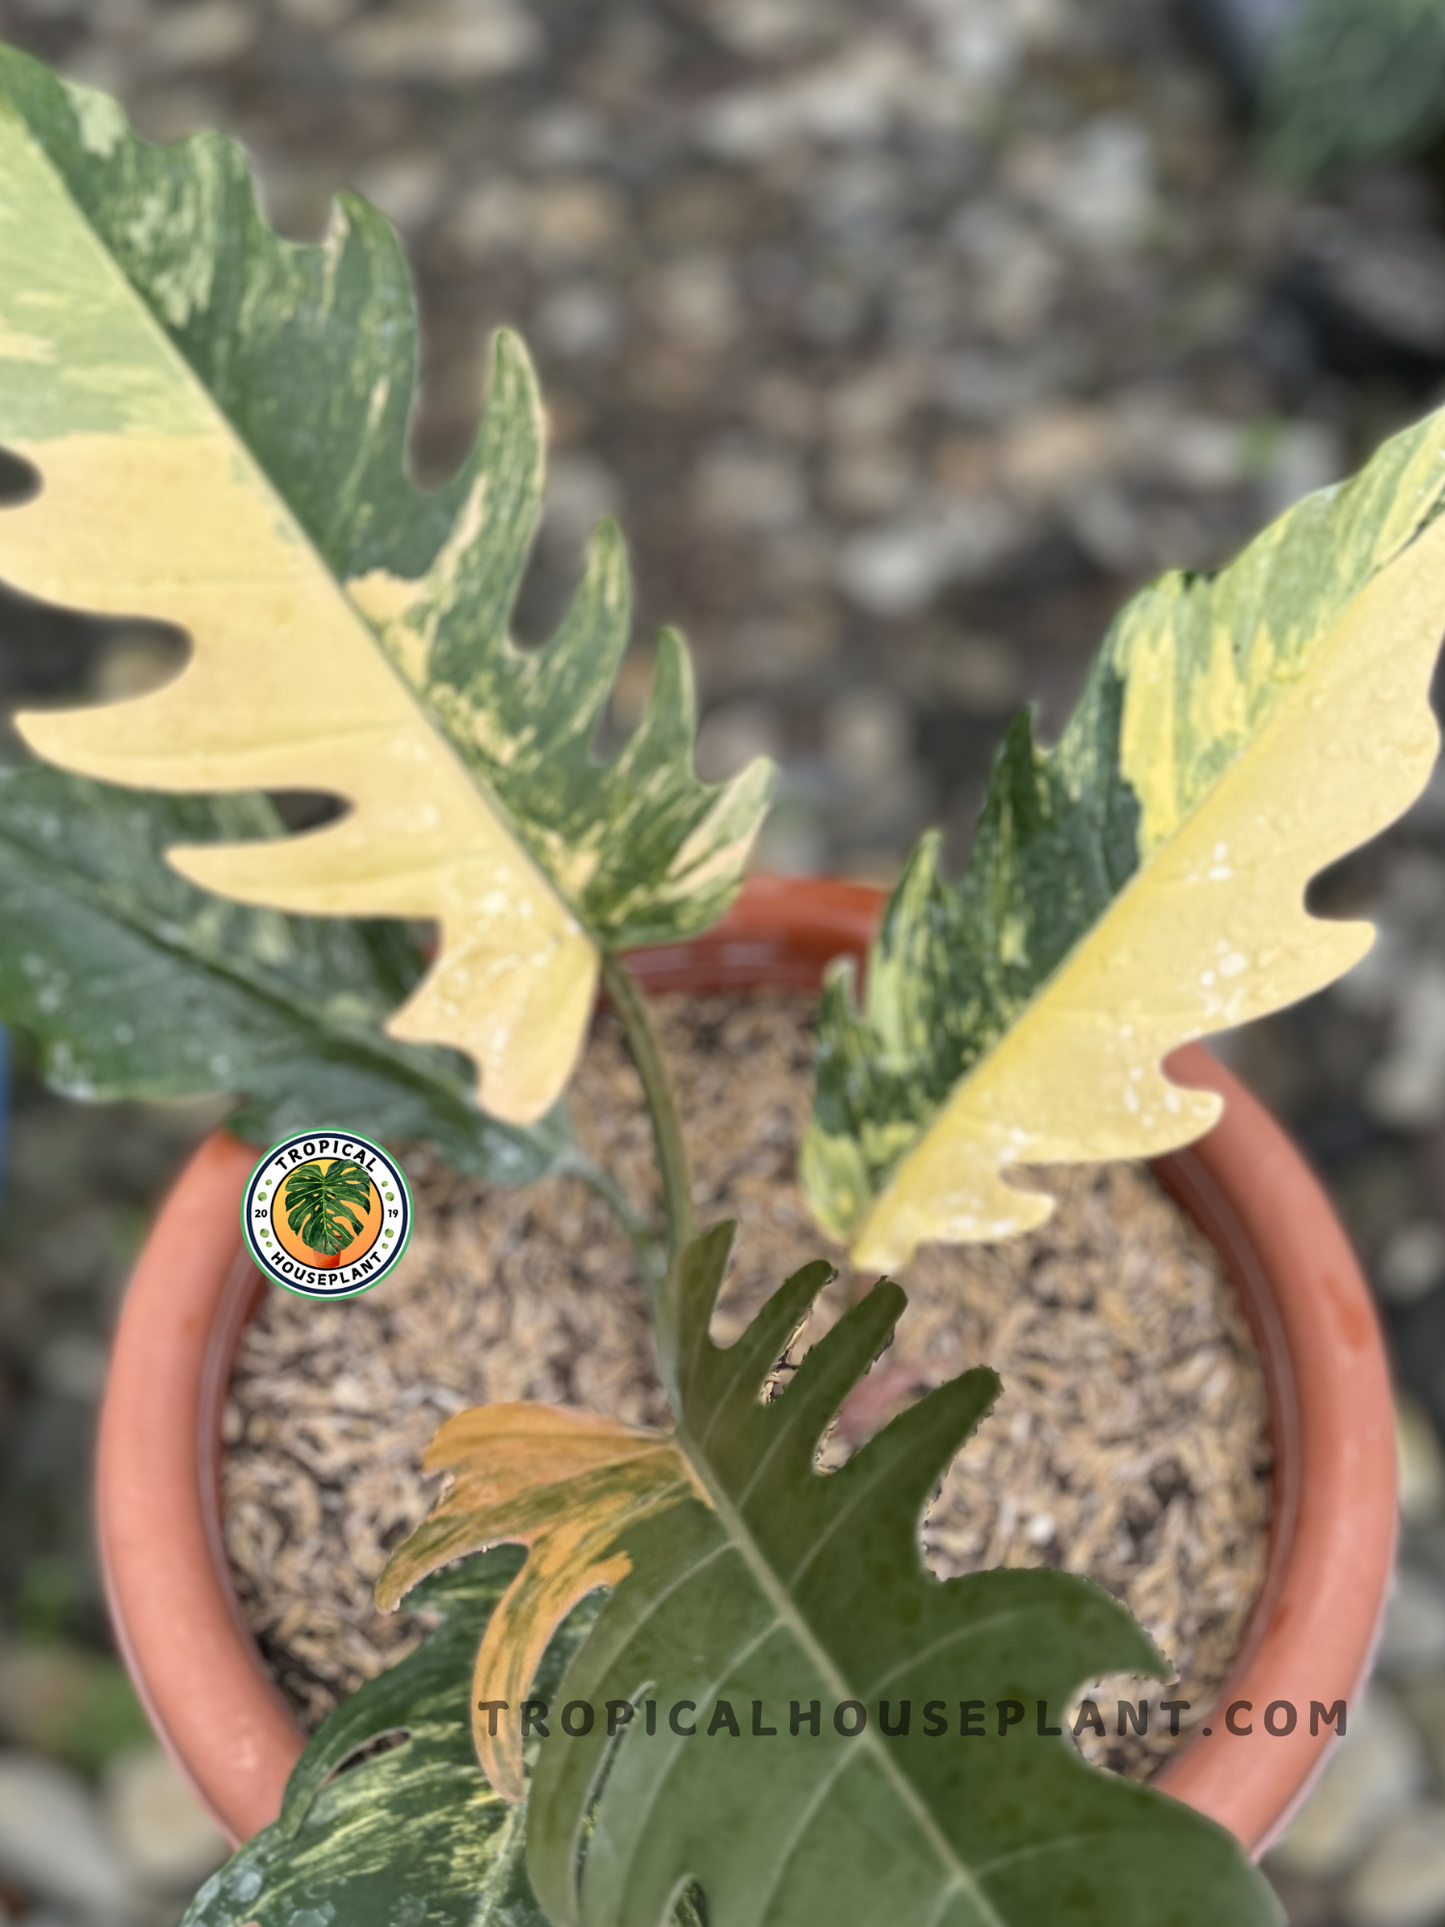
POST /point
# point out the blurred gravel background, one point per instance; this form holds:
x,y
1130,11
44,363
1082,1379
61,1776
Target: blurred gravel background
x,y
905,340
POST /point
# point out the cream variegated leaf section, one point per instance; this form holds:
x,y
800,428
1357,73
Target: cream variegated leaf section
x,y
186,533
217,418
1143,883
1211,933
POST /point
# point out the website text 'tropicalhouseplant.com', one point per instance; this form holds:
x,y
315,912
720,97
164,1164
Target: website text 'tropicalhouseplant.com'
x,y
576,1719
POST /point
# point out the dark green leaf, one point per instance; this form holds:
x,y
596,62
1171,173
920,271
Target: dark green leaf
x,y
1350,83
796,1586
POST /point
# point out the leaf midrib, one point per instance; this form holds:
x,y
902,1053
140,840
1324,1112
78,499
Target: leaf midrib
x,y
787,1615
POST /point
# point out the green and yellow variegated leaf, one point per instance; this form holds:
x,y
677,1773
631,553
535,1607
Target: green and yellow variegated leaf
x,y
1142,883
218,420
565,1484
408,1834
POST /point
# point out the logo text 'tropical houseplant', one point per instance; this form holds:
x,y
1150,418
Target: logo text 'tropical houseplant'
x,y
216,422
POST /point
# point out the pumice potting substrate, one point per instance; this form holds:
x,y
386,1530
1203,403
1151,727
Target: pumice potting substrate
x,y
760,1587
1130,1442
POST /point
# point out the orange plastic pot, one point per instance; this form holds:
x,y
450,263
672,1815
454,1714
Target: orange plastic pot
x,y
1311,1636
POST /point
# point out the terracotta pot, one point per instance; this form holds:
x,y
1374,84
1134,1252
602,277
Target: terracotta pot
x,y
1312,1632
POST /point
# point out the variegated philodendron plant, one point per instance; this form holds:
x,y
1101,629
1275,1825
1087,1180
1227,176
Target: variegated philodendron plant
x,y
216,420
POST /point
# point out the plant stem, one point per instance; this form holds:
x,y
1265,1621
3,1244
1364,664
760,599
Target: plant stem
x,y
631,1006
646,1245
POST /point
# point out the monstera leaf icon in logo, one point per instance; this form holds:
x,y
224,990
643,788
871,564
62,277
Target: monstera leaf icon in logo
x,y
326,1213
321,1201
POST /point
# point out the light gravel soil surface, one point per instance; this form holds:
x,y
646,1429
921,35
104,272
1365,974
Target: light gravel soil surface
x,y
1130,1441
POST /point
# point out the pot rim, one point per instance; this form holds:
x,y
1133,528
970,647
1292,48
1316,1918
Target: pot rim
x,y
1312,1631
